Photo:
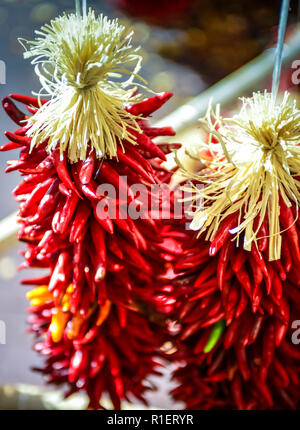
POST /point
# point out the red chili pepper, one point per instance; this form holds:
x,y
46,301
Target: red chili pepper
x,y
232,333
238,258
255,329
225,253
167,148
87,169
113,265
45,167
276,288
9,146
243,302
67,212
130,162
36,178
13,112
20,140
23,188
41,280
98,238
47,203
88,337
223,233
150,105
201,343
27,164
244,280
108,173
60,163
262,234
268,345
279,268
103,218
264,390
237,391
55,222
125,227
292,292
28,100
90,189
31,109
204,291
288,222
59,275
138,238
135,155
231,303
133,257
280,331
21,131
242,362
289,350
97,362
280,369
64,190
82,213
190,330
157,131
35,197
146,144
113,246
257,273
125,280
282,310
217,377
78,363
261,263
216,318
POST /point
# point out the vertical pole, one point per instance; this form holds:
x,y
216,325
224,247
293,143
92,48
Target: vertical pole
x,y
84,7
77,7
278,54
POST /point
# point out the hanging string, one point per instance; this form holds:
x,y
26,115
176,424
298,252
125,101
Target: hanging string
x,y
84,8
279,48
77,7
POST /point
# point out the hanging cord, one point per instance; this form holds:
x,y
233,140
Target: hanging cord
x,y
279,48
84,8
77,7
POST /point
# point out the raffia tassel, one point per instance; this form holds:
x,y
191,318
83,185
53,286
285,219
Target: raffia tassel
x,y
254,160
80,62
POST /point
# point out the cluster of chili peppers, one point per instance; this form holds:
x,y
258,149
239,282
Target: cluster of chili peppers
x,y
235,310
93,304
114,287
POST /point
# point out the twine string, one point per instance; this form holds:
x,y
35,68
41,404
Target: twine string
x,y
84,8
77,7
284,11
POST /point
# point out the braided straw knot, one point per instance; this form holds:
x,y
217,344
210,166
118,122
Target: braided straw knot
x,y
253,166
87,66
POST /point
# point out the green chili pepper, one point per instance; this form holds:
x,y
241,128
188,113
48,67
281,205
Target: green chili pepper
x,y
214,336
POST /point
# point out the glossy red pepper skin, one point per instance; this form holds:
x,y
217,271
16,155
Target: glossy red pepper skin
x,y
13,112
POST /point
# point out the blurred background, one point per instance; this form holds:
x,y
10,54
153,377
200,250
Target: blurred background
x,y
187,46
